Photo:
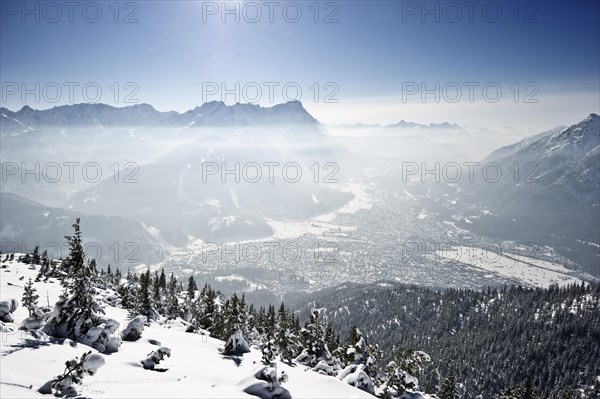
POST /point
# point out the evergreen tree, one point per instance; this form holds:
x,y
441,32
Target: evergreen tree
x,y
270,327
30,298
35,257
527,391
207,314
313,341
172,298
44,271
93,267
144,300
77,313
284,336
118,277
191,288
156,293
449,390
268,353
163,280
77,310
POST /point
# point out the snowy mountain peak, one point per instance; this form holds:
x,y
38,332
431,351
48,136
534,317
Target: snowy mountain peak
x,y
584,135
213,113
403,124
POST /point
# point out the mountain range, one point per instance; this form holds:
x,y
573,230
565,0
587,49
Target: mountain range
x,y
551,198
214,113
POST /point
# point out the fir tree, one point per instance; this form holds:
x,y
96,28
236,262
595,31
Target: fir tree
x,y
44,271
207,297
191,288
30,298
162,280
118,276
284,336
35,257
449,390
74,314
144,300
172,299
78,310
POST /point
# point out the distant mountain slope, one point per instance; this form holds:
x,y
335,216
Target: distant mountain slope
x,y
214,113
553,199
166,152
513,148
112,240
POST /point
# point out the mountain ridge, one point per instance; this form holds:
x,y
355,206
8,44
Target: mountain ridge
x,y
214,113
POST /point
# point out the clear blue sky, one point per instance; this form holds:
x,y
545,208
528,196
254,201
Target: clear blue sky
x,y
373,49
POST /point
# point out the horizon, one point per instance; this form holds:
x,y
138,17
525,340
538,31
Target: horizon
x,y
541,58
527,133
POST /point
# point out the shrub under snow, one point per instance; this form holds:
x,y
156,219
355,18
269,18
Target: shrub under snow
x,y
74,372
100,332
236,345
33,322
134,329
155,357
6,308
103,337
356,376
269,383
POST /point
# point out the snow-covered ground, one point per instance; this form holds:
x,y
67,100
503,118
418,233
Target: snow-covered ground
x,y
322,223
195,369
529,271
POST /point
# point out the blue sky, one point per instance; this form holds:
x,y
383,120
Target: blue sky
x,y
371,56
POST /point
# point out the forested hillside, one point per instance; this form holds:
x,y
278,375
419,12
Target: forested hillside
x,y
492,339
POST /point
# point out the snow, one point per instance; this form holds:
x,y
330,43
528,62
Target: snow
x,y
250,286
285,229
134,329
196,368
93,363
534,272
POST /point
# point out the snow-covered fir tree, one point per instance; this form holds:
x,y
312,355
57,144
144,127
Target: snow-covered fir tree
x,y
77,315
30,297
449,389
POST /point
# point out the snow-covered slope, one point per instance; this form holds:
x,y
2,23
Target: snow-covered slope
x,y
515,147
195,369
548,193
